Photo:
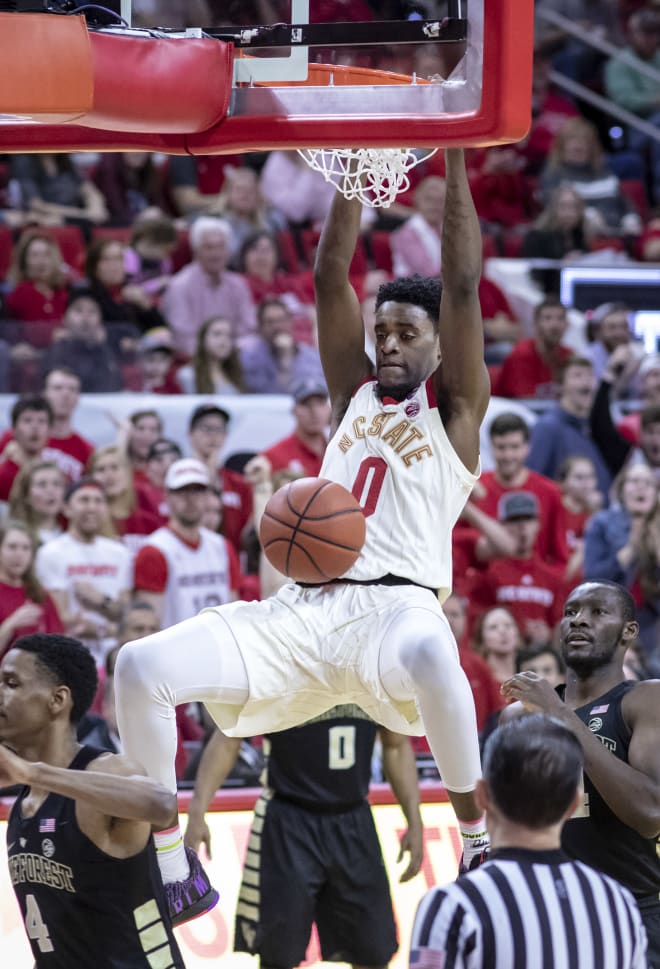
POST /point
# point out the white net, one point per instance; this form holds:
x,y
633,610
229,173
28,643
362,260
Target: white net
x,y
373,175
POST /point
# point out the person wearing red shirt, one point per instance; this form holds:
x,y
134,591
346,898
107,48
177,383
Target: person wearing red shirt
x,y
31,421
524,584
184,567
302,452
154,372
109,466
580,498
509,435
531,369
69,450
207,432
151,491
41,294
25,606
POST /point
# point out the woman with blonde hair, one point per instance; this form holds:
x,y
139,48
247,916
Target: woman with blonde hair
x,y
37,500
215,367
577,158
130,516
25,606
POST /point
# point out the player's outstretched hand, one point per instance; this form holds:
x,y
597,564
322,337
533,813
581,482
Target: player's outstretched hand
x,y
197,832
13,769
534,692
413,843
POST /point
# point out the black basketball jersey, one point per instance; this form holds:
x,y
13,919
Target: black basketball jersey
x,y
81,907
594,834
324,765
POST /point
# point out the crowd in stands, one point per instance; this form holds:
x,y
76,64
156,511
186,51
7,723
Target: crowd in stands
x,y
170,275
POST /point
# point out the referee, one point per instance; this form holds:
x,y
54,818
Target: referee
x,y
529,906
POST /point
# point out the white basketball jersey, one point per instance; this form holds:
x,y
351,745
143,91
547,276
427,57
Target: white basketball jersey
x,y
196,577
396,459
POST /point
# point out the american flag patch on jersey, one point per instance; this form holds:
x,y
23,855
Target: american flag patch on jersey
x,y
602,709
46,825
424,958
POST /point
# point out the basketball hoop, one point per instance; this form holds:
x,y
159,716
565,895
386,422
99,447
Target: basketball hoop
x,y
375,176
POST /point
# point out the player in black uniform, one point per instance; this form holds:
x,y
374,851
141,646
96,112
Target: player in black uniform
x,y
313,853
81,858
617,721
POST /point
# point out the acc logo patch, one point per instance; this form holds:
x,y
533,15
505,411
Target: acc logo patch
x,y
48,848
595,724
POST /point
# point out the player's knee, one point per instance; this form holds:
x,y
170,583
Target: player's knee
x,y
132,671
424,658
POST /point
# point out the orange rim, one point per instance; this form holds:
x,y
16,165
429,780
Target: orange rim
x,y
321,75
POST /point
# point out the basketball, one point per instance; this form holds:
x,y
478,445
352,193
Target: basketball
x,y
312,530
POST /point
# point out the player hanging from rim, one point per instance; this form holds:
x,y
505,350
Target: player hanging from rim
x,y
407,445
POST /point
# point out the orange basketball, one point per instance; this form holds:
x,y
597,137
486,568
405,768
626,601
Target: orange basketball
x,y
312,530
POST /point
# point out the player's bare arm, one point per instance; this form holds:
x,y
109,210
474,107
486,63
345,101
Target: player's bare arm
x,y
217,760
631,790
462,373
340,326
116,803
400,771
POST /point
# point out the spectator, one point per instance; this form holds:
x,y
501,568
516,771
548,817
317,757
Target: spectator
x,y
131,520
545,662
31,422
147,258
636,92
648,378
241,205
40,294
302,451
294,189
162,454
577,159
562,231
524,584
509,437
184,568
141,430
207,432
25,607
622,544
130,184
37,500
194,183
83,346
69,450
87,574
126,306
564,431
550,109
273,362
580,498
531,369
615,448
488,700
497,639
215,367
154,372
205,289
53,192
610,327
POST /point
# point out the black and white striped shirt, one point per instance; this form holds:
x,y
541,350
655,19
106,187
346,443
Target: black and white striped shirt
x,y
529,910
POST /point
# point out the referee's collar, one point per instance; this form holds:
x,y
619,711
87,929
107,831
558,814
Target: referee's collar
x,y
551,856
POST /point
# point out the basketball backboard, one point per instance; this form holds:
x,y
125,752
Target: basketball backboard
x,y
463,79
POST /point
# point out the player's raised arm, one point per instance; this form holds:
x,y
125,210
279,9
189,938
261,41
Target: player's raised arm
x,y
463,372
340,326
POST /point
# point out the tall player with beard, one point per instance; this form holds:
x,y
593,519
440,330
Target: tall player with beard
x,y
617,722
407,445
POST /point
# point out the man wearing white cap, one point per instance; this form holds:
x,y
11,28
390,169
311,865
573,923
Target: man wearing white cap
x,y
185,568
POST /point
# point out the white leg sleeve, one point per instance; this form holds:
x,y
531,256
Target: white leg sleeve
x,y
195,660
419,658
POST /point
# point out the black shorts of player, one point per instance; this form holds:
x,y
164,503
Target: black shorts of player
x,y
303,868
649,909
